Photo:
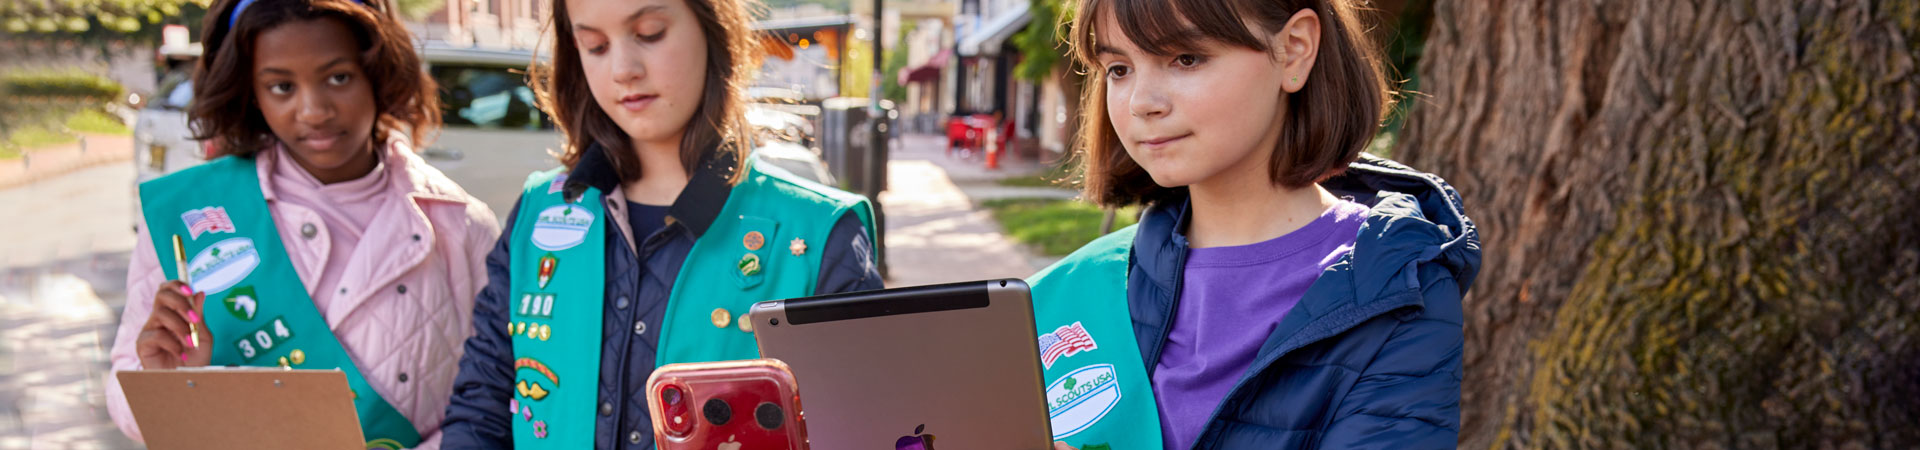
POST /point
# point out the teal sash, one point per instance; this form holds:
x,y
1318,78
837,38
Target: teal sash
x,y
257,309
559,285
1098,394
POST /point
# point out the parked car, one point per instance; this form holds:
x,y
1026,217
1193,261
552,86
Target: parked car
x,y
494,133
161,140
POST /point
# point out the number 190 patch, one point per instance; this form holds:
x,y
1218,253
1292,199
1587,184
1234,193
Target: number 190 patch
x,y
262,340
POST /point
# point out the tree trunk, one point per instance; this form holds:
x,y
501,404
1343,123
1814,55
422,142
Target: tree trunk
x,y
1697,218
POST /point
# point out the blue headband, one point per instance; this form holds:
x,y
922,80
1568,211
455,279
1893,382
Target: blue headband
x,y
234,17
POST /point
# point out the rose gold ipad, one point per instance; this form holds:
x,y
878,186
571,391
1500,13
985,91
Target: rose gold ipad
x,y
950,366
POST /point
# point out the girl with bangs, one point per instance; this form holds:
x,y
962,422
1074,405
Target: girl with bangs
x,y
652,242
319,240
1282,289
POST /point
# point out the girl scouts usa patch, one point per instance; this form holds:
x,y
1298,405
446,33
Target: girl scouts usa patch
x,y
1081,398
223,264
561,227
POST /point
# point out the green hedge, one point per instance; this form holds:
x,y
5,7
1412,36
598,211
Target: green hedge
x,y
60,85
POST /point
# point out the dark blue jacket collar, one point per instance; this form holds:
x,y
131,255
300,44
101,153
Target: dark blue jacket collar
x,y
696,207
1415,218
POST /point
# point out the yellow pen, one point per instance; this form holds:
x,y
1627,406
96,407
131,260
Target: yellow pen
x,y
180,265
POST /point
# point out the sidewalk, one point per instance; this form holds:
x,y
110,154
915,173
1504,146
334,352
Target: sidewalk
x,y
936,233
89,151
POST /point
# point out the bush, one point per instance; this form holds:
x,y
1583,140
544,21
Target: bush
x,y
72,84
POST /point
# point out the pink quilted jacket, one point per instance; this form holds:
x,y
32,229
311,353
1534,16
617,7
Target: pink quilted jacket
x,y
406,327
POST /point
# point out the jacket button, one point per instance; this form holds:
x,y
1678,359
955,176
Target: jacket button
x,y
343,291
633,437
639,328
403,377
606,409
402,289
621,304
307,230
416,238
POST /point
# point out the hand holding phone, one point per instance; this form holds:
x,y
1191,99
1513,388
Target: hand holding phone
x,y
732,405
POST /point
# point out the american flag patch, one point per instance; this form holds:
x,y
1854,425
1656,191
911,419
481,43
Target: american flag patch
x,y
1063,342
559,183
211,219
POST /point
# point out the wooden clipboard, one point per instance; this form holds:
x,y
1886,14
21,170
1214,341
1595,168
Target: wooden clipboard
x,y
243,408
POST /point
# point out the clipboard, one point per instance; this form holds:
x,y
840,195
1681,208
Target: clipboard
x,y
243,407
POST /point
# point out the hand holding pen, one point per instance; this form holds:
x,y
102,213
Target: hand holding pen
x,y
175,334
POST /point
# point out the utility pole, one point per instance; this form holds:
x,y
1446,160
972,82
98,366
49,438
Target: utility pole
x,y
877,124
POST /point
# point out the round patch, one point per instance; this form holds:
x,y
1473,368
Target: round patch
x,y
754,240
1081,398
721,318
561,227
223,264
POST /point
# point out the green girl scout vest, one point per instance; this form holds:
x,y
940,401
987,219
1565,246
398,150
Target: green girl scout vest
x,y
756,250
256,306
1098,395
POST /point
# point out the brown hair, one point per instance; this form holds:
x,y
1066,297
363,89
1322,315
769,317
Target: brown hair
x,y
224,108
1328,122
718,123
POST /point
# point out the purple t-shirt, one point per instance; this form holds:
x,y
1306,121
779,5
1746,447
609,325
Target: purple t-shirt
x,y
1233,298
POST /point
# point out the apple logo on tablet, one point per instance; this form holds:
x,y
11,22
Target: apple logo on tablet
x,y
917,441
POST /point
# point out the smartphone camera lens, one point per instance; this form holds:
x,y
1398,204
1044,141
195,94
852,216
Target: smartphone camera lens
x,y
717,412
774,321
677,420
769,415
671,395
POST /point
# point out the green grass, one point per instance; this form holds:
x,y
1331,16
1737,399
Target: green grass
x,y
32,136
93,121
1054,176
1055,227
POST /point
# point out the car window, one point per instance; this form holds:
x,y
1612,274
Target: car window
x,y
176,90
487,97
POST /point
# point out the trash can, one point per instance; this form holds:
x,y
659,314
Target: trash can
x,y
846,139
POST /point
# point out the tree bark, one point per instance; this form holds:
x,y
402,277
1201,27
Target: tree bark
x,y
1697,219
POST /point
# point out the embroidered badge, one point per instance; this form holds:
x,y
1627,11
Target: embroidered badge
x,y
561,227
536,305
531,390
297,357
1081,398
753,241
749,265
1063,342
537,366
223,264
721,318
547,264
558,184
798,247
241,303
540,429
263,340
211,219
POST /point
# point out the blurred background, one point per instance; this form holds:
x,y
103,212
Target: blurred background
x,y
1697,217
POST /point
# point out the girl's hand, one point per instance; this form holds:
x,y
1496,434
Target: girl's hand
x,y
164,342
1057,445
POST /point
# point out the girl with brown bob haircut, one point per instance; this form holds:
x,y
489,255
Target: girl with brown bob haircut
x,y
323,241
660,225
1282,289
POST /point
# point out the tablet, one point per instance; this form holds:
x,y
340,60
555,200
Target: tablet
x,y
243,408
904,368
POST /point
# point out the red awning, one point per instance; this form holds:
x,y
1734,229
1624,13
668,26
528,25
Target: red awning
x,y
926,72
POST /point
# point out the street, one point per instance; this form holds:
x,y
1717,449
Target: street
x,y
63,275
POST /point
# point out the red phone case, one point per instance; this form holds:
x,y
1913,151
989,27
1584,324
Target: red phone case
x,y
732,405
